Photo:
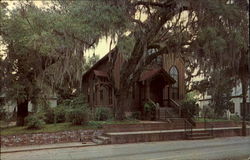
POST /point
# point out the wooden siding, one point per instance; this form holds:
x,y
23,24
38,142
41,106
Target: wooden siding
x,y
170,60
133,102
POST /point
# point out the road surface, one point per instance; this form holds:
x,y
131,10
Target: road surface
x,y
236,148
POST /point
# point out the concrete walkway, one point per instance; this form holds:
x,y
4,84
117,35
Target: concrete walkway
x,y
45,146
169,131
233,148
79,144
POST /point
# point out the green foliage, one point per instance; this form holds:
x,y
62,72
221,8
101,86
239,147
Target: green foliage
x,y
149,106
189,104
248,117
3,113
60,114
49,115
126,45
220,90
90,61
207,112
35,121
235,117
78,115
135,115
102,113
149,110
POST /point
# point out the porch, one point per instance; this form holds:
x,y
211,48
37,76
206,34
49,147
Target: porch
x,y
156,85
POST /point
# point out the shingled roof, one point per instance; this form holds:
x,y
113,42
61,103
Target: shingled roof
x,y
154,72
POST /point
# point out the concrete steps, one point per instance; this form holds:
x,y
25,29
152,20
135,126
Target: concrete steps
x,y
164,113
199,135
101,140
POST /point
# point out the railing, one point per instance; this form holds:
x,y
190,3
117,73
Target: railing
x,y
159,111
208,127
176,106
188,129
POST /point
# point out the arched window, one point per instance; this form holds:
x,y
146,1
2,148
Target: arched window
x,y
175,87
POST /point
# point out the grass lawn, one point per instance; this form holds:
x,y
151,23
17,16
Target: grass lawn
x,y
61,127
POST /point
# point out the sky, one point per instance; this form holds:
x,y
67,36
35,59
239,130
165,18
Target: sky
x,y
102,48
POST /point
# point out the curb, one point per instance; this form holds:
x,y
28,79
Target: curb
x,y
45,148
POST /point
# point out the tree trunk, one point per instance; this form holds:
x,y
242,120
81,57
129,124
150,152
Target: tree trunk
x,y
244,83
22,112
121,104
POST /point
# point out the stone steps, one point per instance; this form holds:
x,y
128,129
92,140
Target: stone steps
x,y
166,112
199,135
101,140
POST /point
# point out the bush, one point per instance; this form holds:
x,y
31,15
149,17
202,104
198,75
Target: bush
x,y
149,110
189,104
34,121
248,117
102,113
49,115
208,112
3,113
78,115
60,114
235,117
135,115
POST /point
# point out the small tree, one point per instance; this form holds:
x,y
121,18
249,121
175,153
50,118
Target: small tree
x,y
221,91
190,104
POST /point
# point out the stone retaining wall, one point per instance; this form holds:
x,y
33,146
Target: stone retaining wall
x,y
219,124
180,124
49,138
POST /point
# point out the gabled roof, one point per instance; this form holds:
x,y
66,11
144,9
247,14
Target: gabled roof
x,y
101,73
101,61
154,72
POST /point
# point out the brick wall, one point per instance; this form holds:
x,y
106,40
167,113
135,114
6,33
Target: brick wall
x,y
49,138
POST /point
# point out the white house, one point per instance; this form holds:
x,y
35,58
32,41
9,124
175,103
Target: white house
x,y
236,99
11,106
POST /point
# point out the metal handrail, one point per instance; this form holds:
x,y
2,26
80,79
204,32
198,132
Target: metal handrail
x,y
188,128
209,127
177,106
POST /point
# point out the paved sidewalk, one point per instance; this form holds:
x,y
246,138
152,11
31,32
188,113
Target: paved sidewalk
x,y
169,131
80,144
44,147
232,148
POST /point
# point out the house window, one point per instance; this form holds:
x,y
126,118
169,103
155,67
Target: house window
x,y
175,87
88,94
95,94
110,96
232,108
247,109
101,95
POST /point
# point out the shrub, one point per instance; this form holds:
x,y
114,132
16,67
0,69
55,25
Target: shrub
x,y
189,104
235,117
149,106
149,110
102,114
248,117
34,121
49,115
208,112
60,114
78,115
3,113
135,115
